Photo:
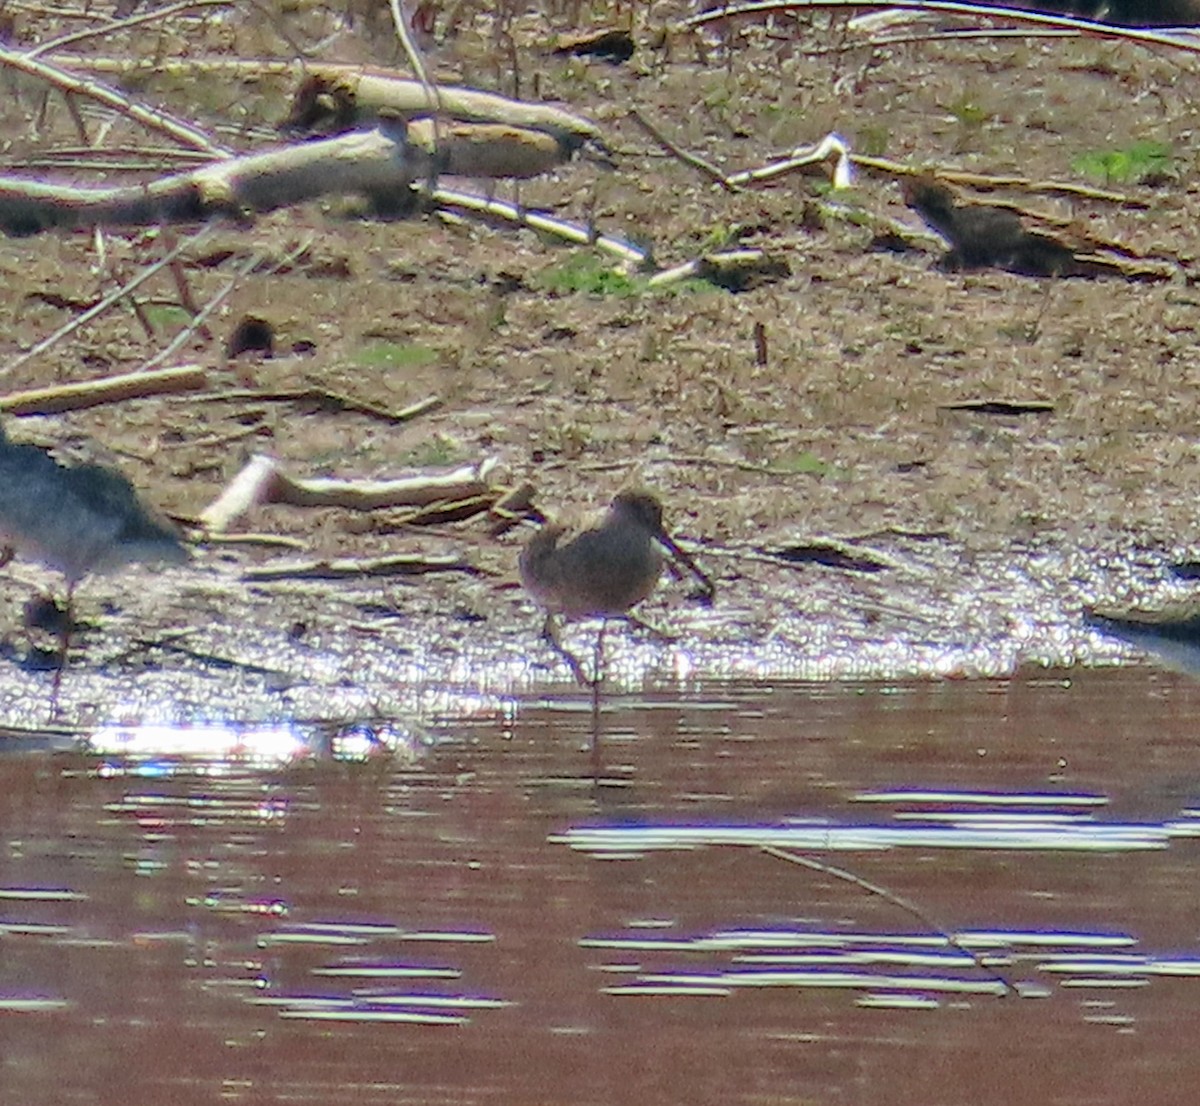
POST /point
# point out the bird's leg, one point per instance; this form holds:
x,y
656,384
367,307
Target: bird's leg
x,y
597,686
550,636
64,643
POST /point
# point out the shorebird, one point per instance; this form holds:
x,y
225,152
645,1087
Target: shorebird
x,y
601,572
982,235
1171,632
77,519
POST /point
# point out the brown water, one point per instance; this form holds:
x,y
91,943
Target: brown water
x,y
486,926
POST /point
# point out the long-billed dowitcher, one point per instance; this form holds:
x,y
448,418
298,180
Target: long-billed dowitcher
x,y
77,519
983,235
601,572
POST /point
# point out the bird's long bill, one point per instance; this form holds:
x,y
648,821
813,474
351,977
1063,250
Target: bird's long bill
x,y
683,558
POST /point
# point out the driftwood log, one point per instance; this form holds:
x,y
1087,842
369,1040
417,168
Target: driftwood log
x,y
335,98
383,164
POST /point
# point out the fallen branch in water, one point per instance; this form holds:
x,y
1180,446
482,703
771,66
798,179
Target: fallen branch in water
x,y
888,896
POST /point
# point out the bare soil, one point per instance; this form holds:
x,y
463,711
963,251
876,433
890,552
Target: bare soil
x,y
585,386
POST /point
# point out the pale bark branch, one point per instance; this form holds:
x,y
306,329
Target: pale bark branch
x,y
109,389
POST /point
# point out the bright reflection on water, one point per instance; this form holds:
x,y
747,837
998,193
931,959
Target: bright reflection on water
x,y
150,749
992,901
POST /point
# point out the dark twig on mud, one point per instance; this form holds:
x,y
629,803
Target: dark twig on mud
x,y
688,459
888,896
322,397
172,643
696,162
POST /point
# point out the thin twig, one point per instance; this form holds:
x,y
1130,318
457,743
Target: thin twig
x,y
244,270
112,298
693,160
52,44
358,568
895,900
154,119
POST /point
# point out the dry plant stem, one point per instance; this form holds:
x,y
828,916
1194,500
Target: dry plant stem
x,y
949,35
510,508
109,389
102,63
895,900
722,263
831,148
183,290
53,44
412,411
220,441
442,512
248,537
115,271
244,270
112,298
160,121
368,495
1084,27
171,644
